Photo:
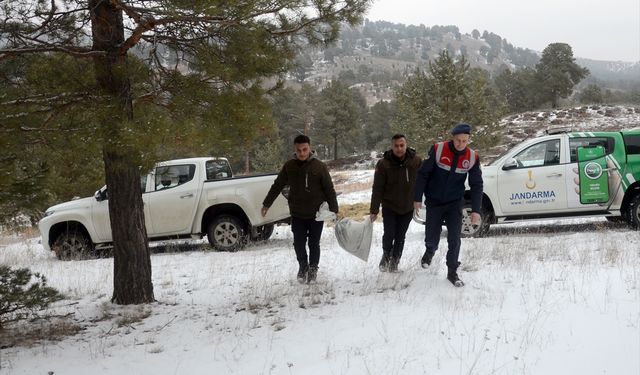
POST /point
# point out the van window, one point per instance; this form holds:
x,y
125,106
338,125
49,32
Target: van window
x,y
173,175
607,142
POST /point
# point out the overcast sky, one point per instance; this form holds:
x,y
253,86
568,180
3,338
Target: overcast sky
x,y
599,30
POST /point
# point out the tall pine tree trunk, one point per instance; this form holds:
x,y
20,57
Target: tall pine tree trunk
x,y
132,264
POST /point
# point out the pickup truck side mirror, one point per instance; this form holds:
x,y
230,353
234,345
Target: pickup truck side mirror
x,y
510,164
100,194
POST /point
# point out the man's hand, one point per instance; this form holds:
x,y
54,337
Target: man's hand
x,y
264,210
475,218
373,217
417,206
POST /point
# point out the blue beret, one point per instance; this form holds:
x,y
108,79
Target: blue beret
x,y
461,128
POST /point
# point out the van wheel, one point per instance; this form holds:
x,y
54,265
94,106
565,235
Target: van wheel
x,y
227,233
73,245
475,230
634,212
263,232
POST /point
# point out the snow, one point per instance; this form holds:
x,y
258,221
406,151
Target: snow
x,y
547,298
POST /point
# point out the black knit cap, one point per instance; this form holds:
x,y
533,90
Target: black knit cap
x,y
461,128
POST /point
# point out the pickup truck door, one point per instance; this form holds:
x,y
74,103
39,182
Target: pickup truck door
x,y
174,199
535,180
100,211
572,167
100,216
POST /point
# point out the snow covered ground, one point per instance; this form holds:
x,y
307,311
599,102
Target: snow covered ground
x,y
556,297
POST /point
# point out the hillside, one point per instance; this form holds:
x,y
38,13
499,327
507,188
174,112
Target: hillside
x,y
514,129
376,56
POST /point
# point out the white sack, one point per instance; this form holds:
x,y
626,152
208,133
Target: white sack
x,y
355,237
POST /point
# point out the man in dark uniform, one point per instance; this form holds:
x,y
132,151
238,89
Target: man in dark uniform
x,y
441,180
310,184
393,183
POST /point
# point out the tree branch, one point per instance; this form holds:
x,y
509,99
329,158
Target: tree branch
x,y
73,51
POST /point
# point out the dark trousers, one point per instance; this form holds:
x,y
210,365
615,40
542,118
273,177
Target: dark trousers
x,y
451,215
395,229
307,230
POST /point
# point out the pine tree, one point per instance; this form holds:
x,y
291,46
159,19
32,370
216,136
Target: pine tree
x,y
558,73
430,104
125,74
378,127
337,120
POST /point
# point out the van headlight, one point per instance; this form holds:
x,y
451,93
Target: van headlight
x,y
48,213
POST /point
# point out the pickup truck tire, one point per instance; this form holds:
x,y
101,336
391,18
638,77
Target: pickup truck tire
x,y
634,212
73,244
263,232
478,230
227,233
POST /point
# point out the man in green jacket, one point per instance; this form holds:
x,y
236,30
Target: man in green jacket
x,y
309,185
393,183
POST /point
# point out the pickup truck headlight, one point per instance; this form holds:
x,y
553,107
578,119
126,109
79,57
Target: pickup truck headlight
x,y
48,213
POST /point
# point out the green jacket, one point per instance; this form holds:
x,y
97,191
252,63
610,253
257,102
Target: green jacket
x,y
393,182
309,183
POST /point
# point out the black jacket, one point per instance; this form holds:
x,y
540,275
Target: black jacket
x,y
309,183
440,186
393,182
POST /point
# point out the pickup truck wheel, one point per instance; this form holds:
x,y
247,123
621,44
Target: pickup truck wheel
x,y
477,230
263,232
226,233
634,212
72,245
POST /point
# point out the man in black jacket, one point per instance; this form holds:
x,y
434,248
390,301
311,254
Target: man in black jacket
x,y
441,180
309,185
393,183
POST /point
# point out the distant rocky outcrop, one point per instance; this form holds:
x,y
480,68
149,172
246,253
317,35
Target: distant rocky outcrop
x,y
514,129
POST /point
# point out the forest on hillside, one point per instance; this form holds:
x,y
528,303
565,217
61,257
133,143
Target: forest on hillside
x,y
378,56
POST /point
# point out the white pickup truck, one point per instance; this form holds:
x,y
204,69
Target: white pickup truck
x,y
546,177
184,198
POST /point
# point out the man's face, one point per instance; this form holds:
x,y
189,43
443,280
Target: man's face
x,y
303,150
460,141
399,147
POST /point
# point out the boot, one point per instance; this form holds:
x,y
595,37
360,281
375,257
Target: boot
x,y
452,276
384,262
393,265
302,273
313,273
426,259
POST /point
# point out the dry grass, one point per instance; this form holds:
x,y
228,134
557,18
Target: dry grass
x,y
28,334
356,211
9,237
